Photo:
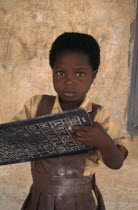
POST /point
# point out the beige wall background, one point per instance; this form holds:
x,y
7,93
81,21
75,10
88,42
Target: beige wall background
x,y
27,29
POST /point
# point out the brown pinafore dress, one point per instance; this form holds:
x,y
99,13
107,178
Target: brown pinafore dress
x,y
58,183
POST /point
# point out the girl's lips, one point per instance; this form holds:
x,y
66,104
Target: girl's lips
x,y
69,94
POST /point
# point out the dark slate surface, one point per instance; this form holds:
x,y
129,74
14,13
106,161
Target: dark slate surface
x,y
40,138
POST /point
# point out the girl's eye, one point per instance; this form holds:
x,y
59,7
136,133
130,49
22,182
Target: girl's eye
x,y
60,73
80,74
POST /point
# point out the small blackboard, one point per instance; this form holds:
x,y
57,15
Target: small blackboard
x,y
42,137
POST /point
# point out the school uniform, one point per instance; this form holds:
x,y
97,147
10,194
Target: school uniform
x,y
68,183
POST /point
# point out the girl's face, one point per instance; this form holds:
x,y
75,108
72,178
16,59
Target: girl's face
x,y
72,75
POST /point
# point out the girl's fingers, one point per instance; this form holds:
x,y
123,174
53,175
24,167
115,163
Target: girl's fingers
x,y
78,128
79,133
77,138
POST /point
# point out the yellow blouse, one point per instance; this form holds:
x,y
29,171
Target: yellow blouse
x,y
103,117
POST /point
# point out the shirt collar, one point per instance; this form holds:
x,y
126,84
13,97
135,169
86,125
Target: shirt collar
x,y
86,104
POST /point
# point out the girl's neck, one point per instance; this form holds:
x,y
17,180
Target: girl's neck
x,y
68,105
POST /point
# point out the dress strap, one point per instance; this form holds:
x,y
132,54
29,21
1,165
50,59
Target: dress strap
x,y
95,188
45,106
95,108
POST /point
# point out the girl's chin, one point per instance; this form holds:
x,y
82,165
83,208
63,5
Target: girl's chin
x,y
70,98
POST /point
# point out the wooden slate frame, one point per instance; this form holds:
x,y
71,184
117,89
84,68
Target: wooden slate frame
x,y
43,137
132,121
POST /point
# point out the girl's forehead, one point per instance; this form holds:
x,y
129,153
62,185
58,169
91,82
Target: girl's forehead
x,y
72,57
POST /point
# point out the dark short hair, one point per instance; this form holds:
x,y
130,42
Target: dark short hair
x,y
76,42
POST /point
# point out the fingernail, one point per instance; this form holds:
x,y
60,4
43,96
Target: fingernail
x,y
69,128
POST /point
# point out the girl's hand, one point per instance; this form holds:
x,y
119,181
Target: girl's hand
x,y
93,135
96,136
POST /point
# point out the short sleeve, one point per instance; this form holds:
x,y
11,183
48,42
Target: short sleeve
x,y
29,109
113,129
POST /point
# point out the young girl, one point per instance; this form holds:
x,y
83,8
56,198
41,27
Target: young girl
x,y
68,182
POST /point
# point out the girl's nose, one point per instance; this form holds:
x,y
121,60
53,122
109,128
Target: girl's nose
x,y
69,80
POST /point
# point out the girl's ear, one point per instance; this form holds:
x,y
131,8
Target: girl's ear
x,y
94,73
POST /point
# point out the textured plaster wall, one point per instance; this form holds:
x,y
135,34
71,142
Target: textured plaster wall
x,y
27,29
